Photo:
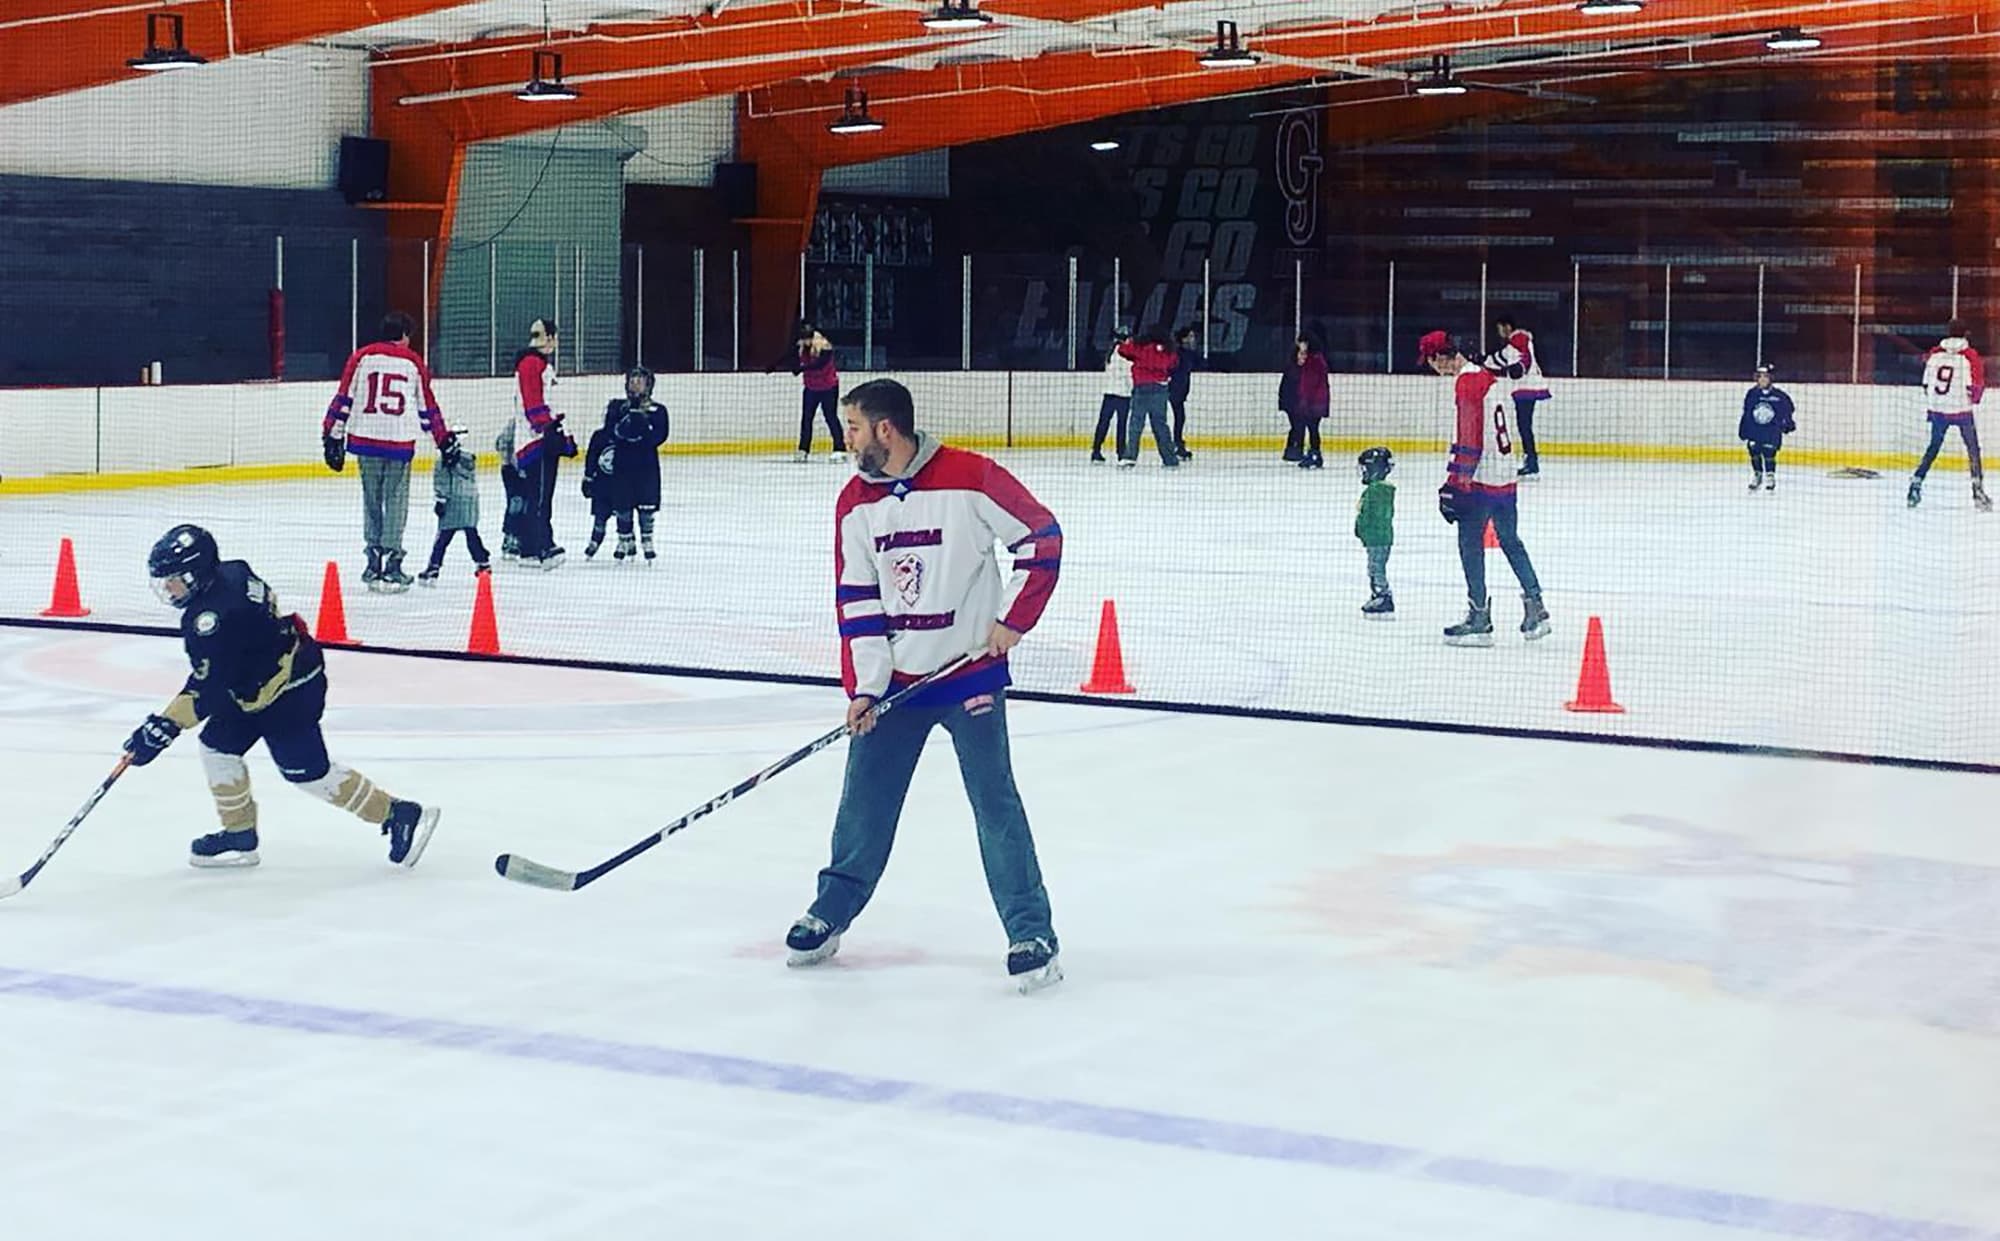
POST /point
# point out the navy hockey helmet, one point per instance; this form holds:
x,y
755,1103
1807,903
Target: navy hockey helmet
x,y
184,555
644,376
1375,463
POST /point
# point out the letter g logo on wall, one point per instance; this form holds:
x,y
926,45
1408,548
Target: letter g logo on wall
x,y
1299,165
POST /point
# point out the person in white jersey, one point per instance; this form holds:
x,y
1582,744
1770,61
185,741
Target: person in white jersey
x,y
1954,380
1518,360
381,386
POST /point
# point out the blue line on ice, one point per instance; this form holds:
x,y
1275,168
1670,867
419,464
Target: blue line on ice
x,y
1638,1197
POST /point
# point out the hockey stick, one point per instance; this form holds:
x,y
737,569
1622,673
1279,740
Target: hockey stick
x,y
9,887
522,870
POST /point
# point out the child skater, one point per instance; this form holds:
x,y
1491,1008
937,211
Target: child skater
x,y
456,481
1374,525
1767,416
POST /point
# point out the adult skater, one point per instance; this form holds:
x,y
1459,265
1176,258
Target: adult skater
x,y
369,419
258,676
1954,380
819,392
1187,361
1517,359
540,444
1153,358
1480,488
913,556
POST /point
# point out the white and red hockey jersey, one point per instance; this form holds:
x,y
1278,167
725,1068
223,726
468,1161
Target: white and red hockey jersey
x,y
1481,442
1520,350
916,584
1954,378
382,386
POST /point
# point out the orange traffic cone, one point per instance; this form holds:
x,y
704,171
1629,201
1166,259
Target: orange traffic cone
x,y
485,636
1107,670
1593,683
66,602
1492,540
331,628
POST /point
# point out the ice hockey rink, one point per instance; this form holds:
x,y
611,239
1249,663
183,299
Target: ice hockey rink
x,y
1324,981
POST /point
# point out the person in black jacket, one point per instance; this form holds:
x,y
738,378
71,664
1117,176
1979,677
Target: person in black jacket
x,y
1185,366
1767,416
257,675
622,472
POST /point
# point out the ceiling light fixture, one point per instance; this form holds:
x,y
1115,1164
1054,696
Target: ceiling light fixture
x,y
1228,52
956,15
1104,144
1440,81
1792,39
854,117
545,83
1609,8
164,54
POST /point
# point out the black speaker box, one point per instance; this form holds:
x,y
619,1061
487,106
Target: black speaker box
x,y
736,187
364,169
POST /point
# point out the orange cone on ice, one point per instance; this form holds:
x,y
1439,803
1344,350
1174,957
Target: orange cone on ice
x,y
485,636
1492,540
1593,683
66,601
331,627
1107,670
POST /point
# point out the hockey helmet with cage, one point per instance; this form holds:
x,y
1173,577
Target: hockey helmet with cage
x,y
643,375
1375,463
185,555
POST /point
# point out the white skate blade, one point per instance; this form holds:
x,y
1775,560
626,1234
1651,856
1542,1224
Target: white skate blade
x,y
1541,630
1378,616
426,824
224,861
1470,639
1036,980
800,959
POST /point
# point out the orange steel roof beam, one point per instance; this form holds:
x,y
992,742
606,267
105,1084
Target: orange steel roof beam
x,y
51,47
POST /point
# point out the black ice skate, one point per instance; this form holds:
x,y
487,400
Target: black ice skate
x,y
811,941
371,577
429,577
651,555
1529,471
1380,606
1184,452
1916,496
394,580
409,829
1033,964
1534,618
1980,500
1475,630
627,548
1757,480
590,548
224,849
1771,480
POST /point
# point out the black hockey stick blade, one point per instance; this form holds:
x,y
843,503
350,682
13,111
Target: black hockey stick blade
x,y
534,874
12,887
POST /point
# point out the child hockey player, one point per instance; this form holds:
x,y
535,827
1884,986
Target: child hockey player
x,y
1374,525
1767,417
621,474
258,676
511,485
456,483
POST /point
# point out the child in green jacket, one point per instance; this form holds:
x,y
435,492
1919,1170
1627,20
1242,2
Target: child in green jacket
x,y
1375,526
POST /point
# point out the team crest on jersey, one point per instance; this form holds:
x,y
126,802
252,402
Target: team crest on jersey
x,y
205,624
907,572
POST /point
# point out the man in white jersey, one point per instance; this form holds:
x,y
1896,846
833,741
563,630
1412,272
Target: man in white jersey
x,y
916,587
370,417
1954,380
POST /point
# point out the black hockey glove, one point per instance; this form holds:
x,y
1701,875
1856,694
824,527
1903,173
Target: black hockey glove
x,y
1448,502
151,739
438,508
586,488
335,449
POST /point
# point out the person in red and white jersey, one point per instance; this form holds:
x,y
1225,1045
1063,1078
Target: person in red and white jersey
x,y
381,386
1954,380
916,587
1479,489
1517,359
540,444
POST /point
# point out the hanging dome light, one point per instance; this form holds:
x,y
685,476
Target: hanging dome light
x,y
854,117
1228,52
956,15
1441,80
169,53
545,82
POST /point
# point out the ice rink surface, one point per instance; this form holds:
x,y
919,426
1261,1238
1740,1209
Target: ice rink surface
x,y
1324,982
1825,615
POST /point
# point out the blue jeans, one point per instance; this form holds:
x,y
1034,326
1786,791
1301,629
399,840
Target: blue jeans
x,y
1475,509
1149,405
879,767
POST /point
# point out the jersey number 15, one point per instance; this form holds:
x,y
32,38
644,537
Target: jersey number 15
x,y
385,394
